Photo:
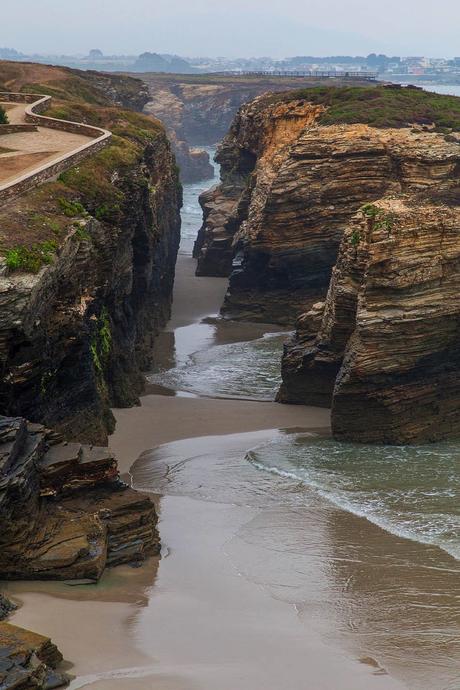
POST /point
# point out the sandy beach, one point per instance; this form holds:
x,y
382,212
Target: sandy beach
x,y
262,584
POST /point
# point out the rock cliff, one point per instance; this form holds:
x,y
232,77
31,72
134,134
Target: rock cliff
x,y
295,168
28,661
65,514
87,269
383,350
198,110
375,173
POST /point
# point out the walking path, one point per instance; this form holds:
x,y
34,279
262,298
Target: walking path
x,y
28,158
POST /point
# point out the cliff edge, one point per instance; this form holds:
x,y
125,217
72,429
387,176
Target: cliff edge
x,y
87,261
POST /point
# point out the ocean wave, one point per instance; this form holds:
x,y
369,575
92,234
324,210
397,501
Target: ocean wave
x,y
244,370
412,492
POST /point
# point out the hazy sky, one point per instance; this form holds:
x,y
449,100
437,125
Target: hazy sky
x,y
234,28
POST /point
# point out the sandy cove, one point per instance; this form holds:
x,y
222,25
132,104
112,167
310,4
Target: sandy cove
x,y
250,592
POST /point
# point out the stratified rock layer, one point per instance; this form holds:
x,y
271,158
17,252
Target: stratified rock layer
x,y
65,515
28,660
64,512
75,337
289,187
384,349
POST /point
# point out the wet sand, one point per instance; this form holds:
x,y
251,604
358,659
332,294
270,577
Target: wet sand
x,y
262,584
163,418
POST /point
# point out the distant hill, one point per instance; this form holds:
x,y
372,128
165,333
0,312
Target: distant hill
x,y
153,62
10,54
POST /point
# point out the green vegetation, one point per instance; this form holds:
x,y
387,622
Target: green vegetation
x,y
379,218
102,184
370,210
101,342
355,238
380,106
3,116
42,223
81,232
30,259
71,208
46,382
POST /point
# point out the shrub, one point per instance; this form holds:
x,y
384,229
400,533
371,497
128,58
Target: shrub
x,y
81,232
3,116
71,208
101,342
355,238
30,259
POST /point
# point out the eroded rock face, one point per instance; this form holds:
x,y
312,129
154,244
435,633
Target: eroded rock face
x,y
65,515
75,337
384,349
194,163
64,512
289,187
28,661
198,111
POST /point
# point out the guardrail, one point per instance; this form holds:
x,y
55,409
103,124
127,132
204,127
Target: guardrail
x,y
37,104
366,76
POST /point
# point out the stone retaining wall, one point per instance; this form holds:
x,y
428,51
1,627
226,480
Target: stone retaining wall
x,y
99,139
15,129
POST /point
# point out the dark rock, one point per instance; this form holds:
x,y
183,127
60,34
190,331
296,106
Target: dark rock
x,y
28,660
64,512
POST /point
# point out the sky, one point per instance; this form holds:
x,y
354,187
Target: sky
x,y
243,28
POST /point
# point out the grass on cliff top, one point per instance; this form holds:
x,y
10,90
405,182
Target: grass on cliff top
x,y
66,83
380,106
33,226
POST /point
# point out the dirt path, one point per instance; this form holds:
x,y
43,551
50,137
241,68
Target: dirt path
x,y
30,150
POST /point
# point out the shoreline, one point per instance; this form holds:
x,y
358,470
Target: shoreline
x,y
258,575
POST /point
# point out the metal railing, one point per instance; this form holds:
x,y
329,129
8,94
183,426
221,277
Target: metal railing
x,y
366,76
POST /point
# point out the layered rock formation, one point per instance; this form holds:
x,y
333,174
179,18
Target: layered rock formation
x,y
198,110
291,182
65,514
28,661
384,348
194,163
87,272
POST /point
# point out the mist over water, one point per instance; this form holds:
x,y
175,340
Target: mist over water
x,y
445,89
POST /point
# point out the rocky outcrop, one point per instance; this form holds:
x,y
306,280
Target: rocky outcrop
x,y
28,661
65,514
198,110
78,321
6,607
194,163
385,351
290,184
213,246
